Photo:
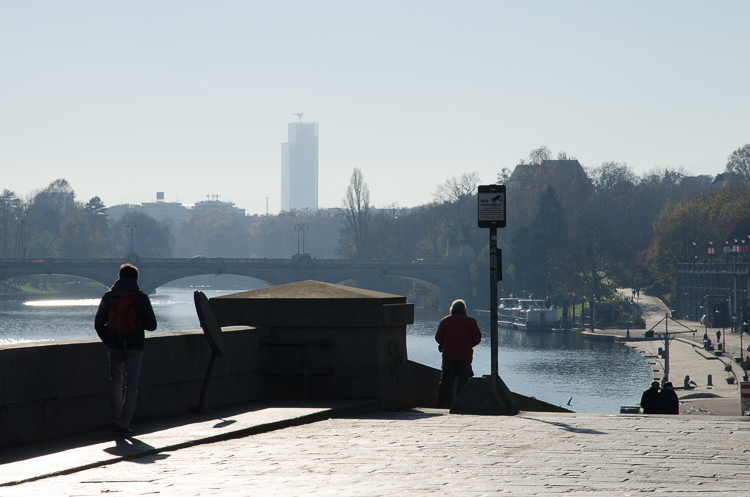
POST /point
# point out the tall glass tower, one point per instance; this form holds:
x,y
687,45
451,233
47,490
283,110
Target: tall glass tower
x,y
299,167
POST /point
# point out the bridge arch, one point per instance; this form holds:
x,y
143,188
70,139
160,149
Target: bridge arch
x,y
449,280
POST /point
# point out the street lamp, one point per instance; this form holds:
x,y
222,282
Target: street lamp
x,y
627,319
301,227
131,226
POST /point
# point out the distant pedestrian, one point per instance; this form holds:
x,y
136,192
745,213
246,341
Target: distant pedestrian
x,y
457,335
668,403
649,402
718,336
123,315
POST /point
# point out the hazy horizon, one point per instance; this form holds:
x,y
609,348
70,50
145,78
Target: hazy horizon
x,y
193,98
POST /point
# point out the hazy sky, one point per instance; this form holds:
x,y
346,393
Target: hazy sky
x,y
124,99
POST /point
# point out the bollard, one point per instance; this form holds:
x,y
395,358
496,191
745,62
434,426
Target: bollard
x,y
709,382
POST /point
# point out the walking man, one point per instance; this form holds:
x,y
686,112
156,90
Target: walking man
x,y
123,315
457,335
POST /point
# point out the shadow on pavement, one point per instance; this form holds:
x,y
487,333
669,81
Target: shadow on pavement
x,y
567,427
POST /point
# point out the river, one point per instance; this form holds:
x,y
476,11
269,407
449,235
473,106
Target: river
x,y
554,367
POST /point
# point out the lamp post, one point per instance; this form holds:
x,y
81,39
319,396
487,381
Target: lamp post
x,y
627,319
131,226
25,233
301,227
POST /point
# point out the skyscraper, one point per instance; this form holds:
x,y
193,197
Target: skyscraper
x,y
299,167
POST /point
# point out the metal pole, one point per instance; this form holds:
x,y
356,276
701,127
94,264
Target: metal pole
x,y
627,319
666,350
493,303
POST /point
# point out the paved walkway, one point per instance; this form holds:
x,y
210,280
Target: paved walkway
x,y
431,452
347,448
687,357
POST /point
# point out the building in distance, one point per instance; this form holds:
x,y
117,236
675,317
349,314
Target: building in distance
x,y
299,167
173,213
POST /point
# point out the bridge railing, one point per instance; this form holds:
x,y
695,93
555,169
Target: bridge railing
x,y
226,260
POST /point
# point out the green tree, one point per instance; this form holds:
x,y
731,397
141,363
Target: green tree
x,y
96,215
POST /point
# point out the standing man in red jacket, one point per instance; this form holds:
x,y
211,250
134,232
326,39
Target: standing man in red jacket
x,y
457,335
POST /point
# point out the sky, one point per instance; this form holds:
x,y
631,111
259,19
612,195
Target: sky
x,y
192,98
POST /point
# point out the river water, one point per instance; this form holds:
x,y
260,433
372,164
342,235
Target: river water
x,y
599,376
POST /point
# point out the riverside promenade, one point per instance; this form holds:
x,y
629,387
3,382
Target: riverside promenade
x,y
687,357
350,447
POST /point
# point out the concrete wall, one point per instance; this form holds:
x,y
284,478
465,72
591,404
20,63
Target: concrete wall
x,y
53,389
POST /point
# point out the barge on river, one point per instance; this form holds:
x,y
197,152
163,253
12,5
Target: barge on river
x,y
527,314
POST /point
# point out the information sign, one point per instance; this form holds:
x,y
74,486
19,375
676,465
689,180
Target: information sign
x,y
491,206
745,396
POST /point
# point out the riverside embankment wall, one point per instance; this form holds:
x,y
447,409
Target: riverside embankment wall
x,y
57,388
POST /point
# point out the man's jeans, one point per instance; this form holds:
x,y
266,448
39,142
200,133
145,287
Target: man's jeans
x,y
124,365
461,372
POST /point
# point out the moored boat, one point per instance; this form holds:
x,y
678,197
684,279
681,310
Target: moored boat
x,y
527,314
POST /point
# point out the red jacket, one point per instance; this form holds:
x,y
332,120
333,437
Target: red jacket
x,y
458,334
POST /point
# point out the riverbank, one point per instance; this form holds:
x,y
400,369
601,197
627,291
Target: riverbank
x,y
714,394
54,291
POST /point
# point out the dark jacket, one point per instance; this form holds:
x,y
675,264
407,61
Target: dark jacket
x,y
458,334
144,313
649,401
668,402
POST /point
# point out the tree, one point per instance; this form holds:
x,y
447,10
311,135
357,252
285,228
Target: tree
x,y
213,233
739,163
51,206
535,246
75,238
150,239
537,156
96,215
457,190
10,214
356,217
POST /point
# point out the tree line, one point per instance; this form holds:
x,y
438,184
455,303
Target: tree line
x,y
572,230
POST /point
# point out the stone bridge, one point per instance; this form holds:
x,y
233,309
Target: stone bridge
x,y
448,279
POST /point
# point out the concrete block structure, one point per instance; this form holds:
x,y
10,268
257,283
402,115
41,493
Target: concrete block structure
x,y
328,340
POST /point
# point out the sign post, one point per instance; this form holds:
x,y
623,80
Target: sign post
x,y
491,214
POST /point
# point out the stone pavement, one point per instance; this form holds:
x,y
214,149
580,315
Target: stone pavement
x,y
337,448
431,452
75,453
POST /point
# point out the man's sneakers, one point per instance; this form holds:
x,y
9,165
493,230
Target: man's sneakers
x,y
122,431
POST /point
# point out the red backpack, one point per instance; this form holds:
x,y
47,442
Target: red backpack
x,y
121,318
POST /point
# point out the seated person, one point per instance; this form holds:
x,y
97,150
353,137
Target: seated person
x,y
707,344
689,384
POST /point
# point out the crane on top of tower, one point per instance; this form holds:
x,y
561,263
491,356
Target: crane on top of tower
x,y
298,114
